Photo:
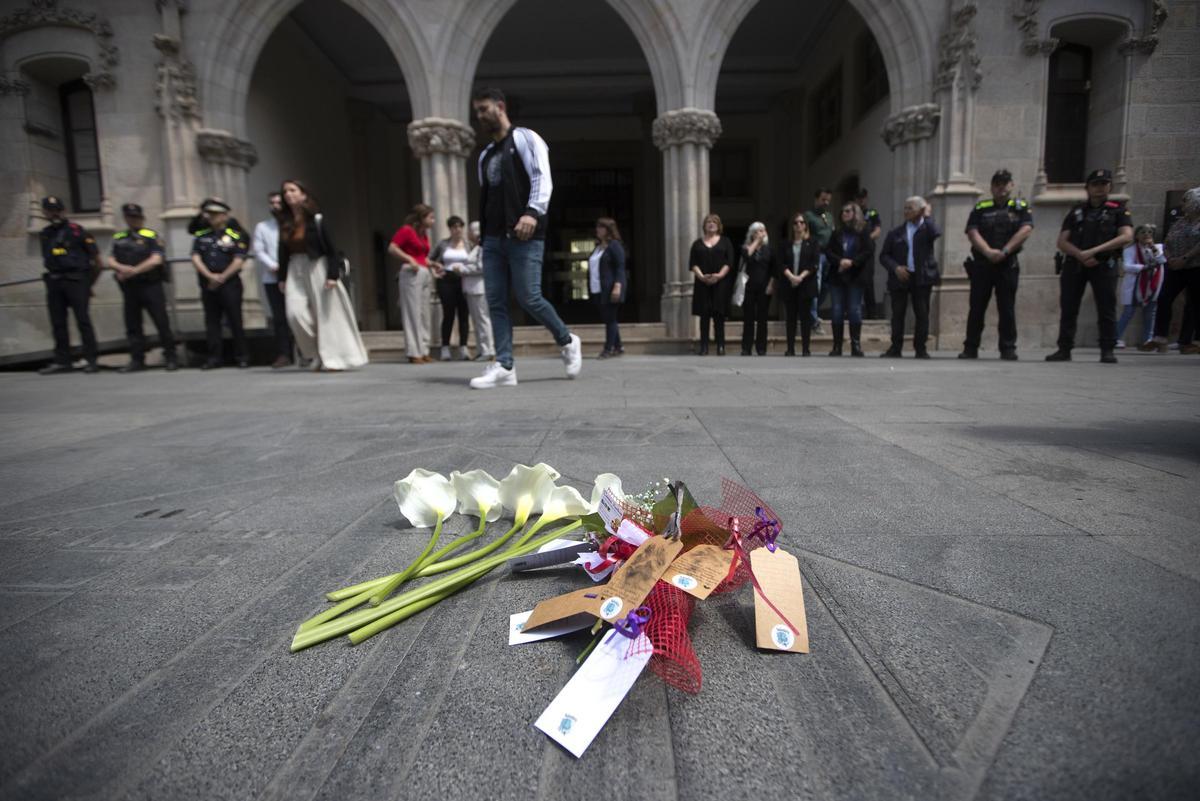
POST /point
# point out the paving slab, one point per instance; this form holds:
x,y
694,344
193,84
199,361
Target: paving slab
x,y
1001,568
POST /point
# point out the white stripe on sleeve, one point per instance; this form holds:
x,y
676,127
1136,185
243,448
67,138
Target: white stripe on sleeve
x,y
535,155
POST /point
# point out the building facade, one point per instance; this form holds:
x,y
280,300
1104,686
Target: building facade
x,y
656,112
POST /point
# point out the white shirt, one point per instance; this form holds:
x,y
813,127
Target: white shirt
x,y
265,249
594,271
910,228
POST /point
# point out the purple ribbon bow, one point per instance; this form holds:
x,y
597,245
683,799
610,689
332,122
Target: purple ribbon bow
x,y
765,529
631,625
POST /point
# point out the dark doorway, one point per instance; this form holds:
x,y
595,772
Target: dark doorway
x,y
1067,113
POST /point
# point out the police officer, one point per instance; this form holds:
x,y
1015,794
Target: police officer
x,y
72,264
1092,238
996,228
218,254
140,266
875,227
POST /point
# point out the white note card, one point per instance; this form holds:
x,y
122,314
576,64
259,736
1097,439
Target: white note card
x,y
517,635
610,510
585,704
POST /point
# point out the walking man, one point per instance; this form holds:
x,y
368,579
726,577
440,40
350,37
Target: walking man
x,y
72,264
514,194
138,261
996,229
1092,237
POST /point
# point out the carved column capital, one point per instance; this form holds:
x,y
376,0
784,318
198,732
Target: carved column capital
x,y
437,135
911,124
686,126
221,147
14,84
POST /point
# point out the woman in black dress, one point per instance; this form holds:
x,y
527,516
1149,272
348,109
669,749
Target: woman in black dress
x,y
798,266
849,251
760,273
710,260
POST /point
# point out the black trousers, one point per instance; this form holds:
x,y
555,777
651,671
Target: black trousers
x,y
987,278
798,308
149,297
74,294
224,302
718,324
609,314
453,302
918,296
754,322
1177,281
1072,283
284,344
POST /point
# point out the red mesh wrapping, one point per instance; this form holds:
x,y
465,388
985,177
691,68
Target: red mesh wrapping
x,y
710,525
674,660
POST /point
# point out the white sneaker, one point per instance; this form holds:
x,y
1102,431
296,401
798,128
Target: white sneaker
x,y
1120,344
445,354
463,355
572,356
495,376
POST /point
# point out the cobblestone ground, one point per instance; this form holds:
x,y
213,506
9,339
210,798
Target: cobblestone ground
x,y
1000,564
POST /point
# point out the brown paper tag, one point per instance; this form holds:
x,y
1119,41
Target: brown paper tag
x,y
626,590
700,570
778,575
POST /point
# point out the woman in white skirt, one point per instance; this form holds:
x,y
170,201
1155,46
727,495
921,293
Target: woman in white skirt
x,y
319,310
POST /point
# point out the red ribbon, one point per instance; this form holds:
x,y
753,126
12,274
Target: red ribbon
x,y
614,550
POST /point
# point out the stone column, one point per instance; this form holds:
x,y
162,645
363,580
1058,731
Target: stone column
x,y
685,137
442,145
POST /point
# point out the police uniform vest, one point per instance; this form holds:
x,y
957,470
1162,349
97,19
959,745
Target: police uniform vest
x,y
133,246
997,222
1094,225
218,249
67,249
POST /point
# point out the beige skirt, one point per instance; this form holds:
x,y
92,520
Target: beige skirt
x,y
322,320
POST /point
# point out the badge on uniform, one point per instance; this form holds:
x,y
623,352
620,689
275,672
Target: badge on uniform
x,y
225,241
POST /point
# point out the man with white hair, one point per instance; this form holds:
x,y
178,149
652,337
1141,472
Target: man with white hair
x,y
907,255
1182,249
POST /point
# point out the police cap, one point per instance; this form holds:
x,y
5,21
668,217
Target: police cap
x,y
52,203
1001,177
132,210
1100,177
215,205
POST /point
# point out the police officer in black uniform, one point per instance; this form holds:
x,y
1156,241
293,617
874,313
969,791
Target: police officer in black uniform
x,y
875,228
72,265
140,266
218,254
996,228
1092,238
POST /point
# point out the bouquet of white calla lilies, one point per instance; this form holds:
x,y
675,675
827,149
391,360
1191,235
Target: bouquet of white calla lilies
x,y
425,498
478,495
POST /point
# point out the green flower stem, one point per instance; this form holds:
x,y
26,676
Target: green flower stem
x,y
306,638
350,592
381,593
404,613
458,543
343,607
433,568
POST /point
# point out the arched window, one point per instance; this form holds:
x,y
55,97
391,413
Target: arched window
x,y
82,150
1067,113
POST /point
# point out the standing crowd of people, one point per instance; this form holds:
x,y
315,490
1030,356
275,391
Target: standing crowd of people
x,y
478,266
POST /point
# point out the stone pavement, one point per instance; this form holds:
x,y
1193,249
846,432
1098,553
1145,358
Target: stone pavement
x,y
1001,566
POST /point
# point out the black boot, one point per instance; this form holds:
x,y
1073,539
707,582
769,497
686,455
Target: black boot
x,y
1060,355
1108,357
855,339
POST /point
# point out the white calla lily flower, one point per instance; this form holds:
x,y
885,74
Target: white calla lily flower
x,y
606,481
564,502
425,497
478,494
525,489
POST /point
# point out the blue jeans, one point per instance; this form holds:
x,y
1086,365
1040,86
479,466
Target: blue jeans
x,y
822,290
1148,311
847,302
510,261
609,313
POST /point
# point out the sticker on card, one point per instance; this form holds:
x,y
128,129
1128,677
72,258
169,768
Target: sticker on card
x,y
516,628
588,700
610,511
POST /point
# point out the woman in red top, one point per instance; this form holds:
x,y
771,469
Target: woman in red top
x,y
411,246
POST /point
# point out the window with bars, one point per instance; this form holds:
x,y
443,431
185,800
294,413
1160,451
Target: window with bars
x,y
83,152
826,112
872,74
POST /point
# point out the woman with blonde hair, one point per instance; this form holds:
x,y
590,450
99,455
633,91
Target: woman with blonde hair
x,y
319,310
850,249
758,265
410,245
710,261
